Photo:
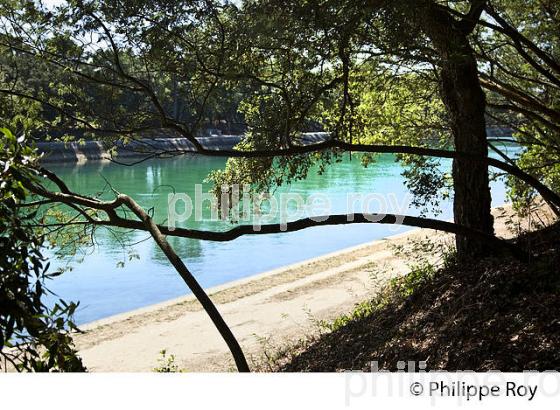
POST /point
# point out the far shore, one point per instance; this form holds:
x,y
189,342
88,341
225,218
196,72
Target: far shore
x,y
81,152
264,311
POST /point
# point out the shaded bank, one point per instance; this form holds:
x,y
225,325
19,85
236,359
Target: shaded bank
x,y
494,314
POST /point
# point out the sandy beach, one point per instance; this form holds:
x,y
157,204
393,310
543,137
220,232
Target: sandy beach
x,y
263,311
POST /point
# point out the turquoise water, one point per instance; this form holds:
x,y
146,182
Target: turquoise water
x,y
103,289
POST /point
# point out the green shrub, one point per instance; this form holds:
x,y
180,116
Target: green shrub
x,y
33,336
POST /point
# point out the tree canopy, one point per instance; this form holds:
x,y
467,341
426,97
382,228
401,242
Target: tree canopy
x,y
419,78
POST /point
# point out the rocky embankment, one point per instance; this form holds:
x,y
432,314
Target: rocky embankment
x,y
80,152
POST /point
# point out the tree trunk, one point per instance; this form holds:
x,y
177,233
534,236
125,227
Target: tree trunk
x,y
471,202
465,102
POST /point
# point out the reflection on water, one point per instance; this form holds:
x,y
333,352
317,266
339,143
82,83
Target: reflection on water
x,y
105,290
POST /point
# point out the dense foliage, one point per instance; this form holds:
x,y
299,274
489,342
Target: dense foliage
x,y
363,72
518,46
33,335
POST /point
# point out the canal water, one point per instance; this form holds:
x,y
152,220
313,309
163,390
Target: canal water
x,y
105,289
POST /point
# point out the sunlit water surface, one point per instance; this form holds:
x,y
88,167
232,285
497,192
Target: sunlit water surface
x,y
104,289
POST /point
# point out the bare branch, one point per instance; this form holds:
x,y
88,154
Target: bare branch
x,y
190,280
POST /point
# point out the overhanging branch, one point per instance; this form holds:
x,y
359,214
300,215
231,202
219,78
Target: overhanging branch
x,y
114,220
548,195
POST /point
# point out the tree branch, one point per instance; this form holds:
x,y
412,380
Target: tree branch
x,y
469,22
547,194
234,233
191,282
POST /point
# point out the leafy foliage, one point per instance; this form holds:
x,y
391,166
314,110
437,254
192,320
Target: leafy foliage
x,y
33,336
274,68
521,70
541,163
